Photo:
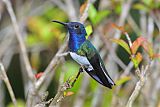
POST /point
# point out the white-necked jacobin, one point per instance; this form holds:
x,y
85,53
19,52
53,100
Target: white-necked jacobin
x,y
84,53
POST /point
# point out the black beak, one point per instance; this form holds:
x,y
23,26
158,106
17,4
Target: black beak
x,y
65,24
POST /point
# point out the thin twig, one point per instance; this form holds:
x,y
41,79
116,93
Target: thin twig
x,y
134,25
85,13
3,75
60,94
139,85
20,40
2,94
63,54
51,65
129,39
71,10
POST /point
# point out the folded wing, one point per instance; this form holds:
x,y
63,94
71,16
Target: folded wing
x,y
99,73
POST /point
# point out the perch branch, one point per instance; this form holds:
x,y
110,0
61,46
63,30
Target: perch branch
x,y
51,65
85,13
60,94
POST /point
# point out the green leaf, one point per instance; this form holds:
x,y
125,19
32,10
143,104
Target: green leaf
x,y
71,71
101,15
157,5
50,13
123,80
97,16
20,103
89,30
107,98
118,8
92,11
93,85
134,62
147,2
137,60
140,6
123,44
46,35
31,40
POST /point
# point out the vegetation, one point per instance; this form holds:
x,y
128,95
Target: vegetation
x,y
37,71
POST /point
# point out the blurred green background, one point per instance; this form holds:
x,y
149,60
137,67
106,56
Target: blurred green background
x,y
44,38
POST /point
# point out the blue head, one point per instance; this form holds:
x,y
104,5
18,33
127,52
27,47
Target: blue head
x,y
77,34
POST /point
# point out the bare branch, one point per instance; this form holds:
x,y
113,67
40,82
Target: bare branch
x,y
63,54
72,13
20,40
85,13
52,64
129,39
143,77
3,76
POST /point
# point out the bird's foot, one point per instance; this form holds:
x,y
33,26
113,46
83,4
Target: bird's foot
x,y
71,81
80,70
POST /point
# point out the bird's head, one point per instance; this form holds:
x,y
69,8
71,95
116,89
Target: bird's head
x,y
74,27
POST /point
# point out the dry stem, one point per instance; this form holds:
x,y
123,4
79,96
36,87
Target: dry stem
x,y
4,77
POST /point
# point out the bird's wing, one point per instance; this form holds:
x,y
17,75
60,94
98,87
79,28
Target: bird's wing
x,y
99,73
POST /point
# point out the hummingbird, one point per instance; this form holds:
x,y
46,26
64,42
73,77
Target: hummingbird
x,y
85,54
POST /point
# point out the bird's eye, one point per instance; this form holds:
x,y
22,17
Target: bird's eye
x,y
76,26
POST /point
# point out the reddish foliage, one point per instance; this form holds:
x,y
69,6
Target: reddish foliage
x,y
140,41
148,48
121,28
82,8
69,93
136,44
38,75
156,56
139,57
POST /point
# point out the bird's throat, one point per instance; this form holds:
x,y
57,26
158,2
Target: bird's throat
x,y
75,41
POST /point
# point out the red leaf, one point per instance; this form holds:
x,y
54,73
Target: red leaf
x,y
156,56
69,93
136,44
82,8
148,48
121,28
38,75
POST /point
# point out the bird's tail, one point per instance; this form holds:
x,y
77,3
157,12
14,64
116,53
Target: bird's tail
x,y
105,80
